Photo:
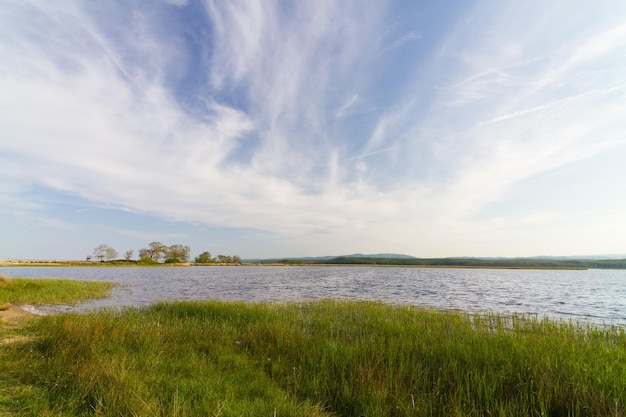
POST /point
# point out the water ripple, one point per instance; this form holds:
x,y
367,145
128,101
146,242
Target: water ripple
x,y
594,295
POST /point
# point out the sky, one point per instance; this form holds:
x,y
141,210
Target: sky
x,y
267,128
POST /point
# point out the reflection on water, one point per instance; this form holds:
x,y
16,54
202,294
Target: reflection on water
x,y
595,295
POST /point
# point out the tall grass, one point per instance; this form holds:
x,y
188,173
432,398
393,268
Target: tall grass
x,y
315,359
50,291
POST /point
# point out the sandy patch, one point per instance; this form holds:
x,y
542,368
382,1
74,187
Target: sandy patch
x,y
14,314
11,319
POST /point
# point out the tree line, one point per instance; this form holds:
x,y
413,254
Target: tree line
x,y
529,263
156,252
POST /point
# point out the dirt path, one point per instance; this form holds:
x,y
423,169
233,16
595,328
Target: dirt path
x,y
14,314
11,319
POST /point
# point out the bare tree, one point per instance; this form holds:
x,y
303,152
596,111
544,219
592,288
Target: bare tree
x,y
104,253
128,255
100,251
110,254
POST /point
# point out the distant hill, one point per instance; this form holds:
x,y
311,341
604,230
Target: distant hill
x,y
591,257
614,261
326,258
457,258
404,260
379,255
550,258
485,263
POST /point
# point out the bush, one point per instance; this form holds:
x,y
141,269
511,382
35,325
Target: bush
x,y
146,261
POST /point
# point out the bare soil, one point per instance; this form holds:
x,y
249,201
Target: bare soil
x,y
14,314
11,318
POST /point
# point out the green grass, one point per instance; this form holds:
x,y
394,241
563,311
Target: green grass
x,y
328,358
14,394
50,291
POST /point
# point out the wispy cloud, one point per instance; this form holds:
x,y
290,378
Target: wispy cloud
x,y
344,109
408,37
527,109
304,120
146,236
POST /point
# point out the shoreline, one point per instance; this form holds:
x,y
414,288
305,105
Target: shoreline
x,y
133,264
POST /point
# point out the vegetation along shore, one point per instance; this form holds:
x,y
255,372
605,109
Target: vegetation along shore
x,y
322,358
512,263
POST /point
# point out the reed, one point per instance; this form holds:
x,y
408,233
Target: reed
x,y
323,358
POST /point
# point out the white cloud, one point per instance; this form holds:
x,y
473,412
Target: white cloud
x,y
88,107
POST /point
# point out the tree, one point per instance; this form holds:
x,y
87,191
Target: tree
x,y
158,250
236,259
155,251
224,259
104,253
145,254
177,254
110,254
99,252
128,255
204,258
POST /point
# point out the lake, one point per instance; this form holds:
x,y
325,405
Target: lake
x,y
592,295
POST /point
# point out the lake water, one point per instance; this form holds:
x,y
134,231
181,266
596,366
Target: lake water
x,y
592,295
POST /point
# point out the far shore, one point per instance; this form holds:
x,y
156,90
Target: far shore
x,y
23,262
135,264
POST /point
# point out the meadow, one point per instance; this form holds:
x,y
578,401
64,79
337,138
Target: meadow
x,y
321,358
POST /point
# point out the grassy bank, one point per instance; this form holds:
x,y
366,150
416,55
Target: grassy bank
x,y
50,291
313,359
16,333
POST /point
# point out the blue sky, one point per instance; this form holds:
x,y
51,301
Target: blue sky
x,y
276,128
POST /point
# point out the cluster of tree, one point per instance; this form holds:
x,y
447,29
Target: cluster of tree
x,y
105,253
157,252
206,258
